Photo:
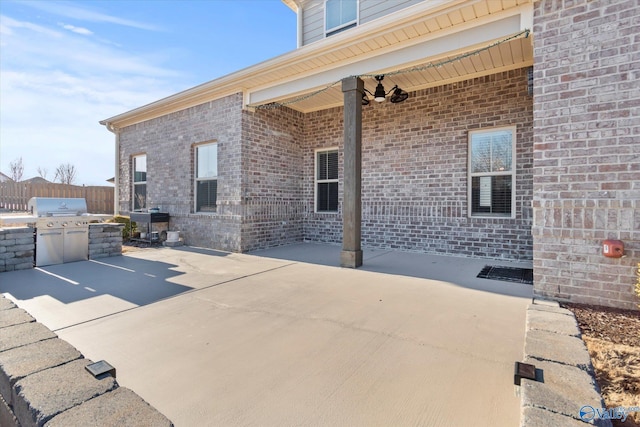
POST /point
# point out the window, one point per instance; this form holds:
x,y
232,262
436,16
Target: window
x,y
206,180
327,181
492,172
139,182
340,15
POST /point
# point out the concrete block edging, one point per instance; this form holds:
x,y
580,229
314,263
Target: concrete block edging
x,y
566,388
43,381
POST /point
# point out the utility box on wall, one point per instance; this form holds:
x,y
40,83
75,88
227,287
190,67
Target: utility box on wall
x,y
613,248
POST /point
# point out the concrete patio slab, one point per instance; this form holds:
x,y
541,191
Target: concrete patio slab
x,y
252,340
459,271
67,294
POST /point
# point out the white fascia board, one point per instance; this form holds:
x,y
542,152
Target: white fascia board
x,y
526,18
395,59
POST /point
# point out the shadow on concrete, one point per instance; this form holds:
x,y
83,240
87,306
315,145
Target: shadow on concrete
x,y
201,251
137,281
460,271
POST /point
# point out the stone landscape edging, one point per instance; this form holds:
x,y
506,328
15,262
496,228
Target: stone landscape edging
x,y
43,381
565,382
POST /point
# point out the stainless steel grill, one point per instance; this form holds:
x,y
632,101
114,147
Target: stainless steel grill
x,y
62,230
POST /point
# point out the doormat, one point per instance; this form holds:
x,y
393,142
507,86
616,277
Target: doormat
x,y
507,274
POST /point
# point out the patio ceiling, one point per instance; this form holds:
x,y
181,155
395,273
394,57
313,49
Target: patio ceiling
x,y
513,54
429,32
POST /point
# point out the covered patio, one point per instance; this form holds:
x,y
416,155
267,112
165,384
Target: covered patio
x,y
427,46
215,338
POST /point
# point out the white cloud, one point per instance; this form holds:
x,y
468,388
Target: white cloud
x,y
55,88
69,10
7,25
77,30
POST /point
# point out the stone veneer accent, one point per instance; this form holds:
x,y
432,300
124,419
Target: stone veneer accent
x,y
586,149
105,240
16,248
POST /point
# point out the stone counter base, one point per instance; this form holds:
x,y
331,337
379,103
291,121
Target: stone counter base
x,y
17,246
43,381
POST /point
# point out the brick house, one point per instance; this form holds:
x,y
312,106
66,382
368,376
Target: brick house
x,y
511,145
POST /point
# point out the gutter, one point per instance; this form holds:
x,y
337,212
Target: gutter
x,y
116,190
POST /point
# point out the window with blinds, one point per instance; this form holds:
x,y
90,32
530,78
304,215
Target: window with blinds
x,y
327,181
492,172
206,179
139,182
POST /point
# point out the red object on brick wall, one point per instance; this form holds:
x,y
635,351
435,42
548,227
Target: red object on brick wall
x,y
613,248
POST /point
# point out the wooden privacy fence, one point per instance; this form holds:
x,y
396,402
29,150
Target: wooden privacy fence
x,y
15,195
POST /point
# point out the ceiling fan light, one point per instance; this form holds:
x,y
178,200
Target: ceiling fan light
x,y
380,94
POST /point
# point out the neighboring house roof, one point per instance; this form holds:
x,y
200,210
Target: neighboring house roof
x,y
4,178
427,32
36,180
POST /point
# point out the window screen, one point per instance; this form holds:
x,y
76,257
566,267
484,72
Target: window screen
x,y
491,176
327,181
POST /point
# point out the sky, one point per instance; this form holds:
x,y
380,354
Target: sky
x,y
66,65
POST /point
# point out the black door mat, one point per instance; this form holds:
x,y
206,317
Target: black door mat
x,y
507,274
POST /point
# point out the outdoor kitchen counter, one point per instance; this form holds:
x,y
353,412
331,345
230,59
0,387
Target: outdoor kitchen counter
x,y
17,219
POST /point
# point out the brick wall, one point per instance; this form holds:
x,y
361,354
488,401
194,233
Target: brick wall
x,y
414,173
272,178
587,149
168,142
323,130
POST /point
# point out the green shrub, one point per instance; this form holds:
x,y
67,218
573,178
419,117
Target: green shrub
x,y
128,226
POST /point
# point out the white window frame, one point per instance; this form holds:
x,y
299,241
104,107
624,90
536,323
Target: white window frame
x,y
512,172
317,181
331,31
197,179
135,183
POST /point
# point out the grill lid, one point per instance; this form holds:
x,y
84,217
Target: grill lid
x,y
50,206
